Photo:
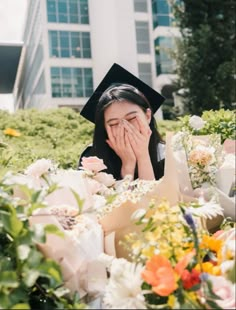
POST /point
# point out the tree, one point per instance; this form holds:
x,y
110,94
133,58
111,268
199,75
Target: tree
x,y
206,53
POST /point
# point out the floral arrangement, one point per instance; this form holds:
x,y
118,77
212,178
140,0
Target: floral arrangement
x,y
174,264
203,157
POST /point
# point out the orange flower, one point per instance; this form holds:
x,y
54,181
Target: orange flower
x,y
183,263
11,132
160,274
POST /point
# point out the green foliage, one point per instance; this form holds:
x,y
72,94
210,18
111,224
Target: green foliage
x,y
58,134
205,53
28,280
221,122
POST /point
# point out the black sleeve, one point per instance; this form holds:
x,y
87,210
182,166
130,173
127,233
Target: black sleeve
x,y
86,153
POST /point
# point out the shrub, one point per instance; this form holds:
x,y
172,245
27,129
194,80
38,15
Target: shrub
x,y
222,122
58,134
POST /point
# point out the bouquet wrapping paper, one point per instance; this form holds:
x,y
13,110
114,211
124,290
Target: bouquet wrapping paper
x,y
76,253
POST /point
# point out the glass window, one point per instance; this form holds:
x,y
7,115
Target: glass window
x,y
53,44
75,45
140,6
71,82
161,13
55,82
164,62
145,73
51,10
142,37
64,44
69,44
73,12
68,11
162,7
62,11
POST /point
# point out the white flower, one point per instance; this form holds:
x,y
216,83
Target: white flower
x,y
138,214
23,251
124,287
98,202
196,122
39,168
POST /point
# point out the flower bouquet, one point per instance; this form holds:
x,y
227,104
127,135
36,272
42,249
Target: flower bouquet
x,y
175,264
204,169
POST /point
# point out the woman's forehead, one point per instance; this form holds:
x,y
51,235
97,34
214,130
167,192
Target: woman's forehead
x,y
121,109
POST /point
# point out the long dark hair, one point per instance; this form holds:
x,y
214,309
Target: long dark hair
x,y
121,93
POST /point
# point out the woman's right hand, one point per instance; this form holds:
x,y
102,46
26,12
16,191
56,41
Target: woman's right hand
x,y
118,140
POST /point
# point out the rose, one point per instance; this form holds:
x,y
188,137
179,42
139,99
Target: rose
x,y
200,157
93,163
225,290
196,122
105,178
39,168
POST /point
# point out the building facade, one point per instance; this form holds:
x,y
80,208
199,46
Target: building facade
x,y
70,44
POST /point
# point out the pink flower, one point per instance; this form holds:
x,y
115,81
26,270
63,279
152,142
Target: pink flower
x,y
225,290
105,178
93,163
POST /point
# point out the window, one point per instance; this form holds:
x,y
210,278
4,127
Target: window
x,y
140,6
68,11
67,44
71,82
161,13
164,62
145,72
142,37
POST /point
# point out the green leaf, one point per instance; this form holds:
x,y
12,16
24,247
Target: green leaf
x,y
11,224
30,277
51,270
21,306
35,196
53,229
80,202
8,279
213,304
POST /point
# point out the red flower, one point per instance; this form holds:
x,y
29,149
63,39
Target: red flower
x,y
190,278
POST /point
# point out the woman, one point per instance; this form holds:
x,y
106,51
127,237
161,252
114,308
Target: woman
x,y
125,134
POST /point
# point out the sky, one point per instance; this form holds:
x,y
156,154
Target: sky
x,y
12,18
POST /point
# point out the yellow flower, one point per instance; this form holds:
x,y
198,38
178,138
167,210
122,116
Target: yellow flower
x,y
171,301
209,268
148,251
11,132
211,243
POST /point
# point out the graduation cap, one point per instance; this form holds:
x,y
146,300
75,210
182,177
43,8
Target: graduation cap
x,y
118,74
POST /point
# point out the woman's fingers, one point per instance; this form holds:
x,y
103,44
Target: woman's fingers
x,y
143,127
111,135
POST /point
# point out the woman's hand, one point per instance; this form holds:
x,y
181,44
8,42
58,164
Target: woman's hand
x,y
119,141
139,137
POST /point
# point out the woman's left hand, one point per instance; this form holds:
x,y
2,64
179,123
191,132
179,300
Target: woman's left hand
x,y
139,137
